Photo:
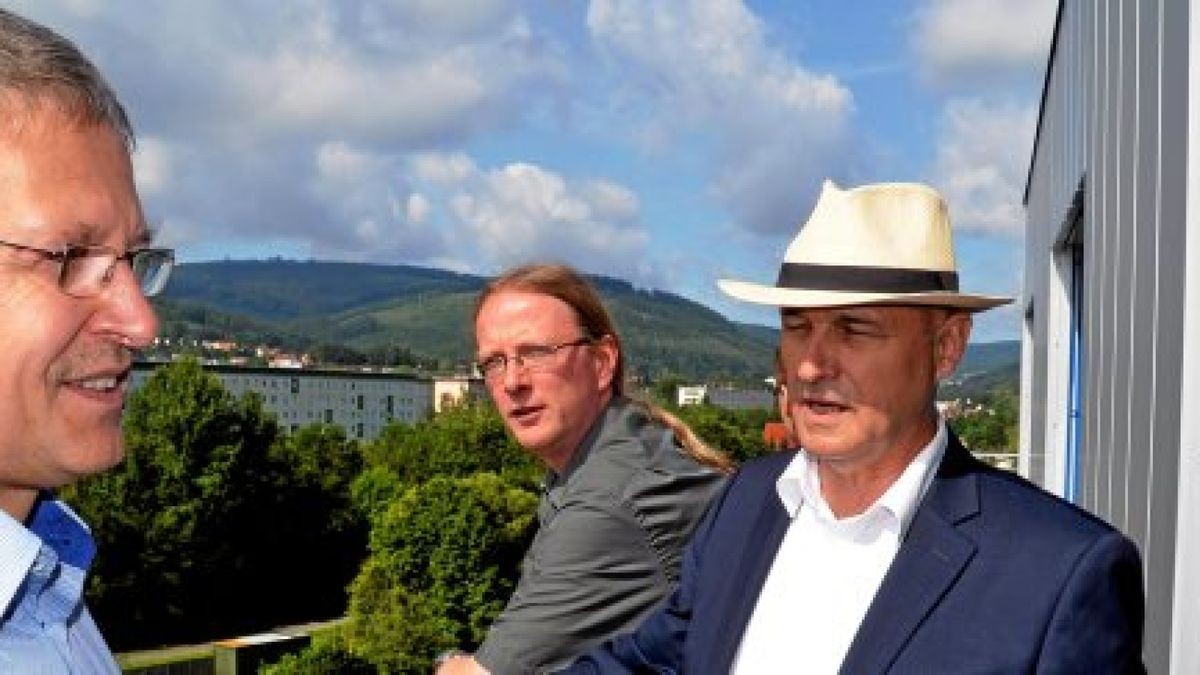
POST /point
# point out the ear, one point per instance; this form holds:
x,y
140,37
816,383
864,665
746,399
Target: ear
x,y
605,353
950,343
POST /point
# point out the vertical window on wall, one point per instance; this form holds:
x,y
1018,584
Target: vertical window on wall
x,y
1070,257
1065,360
1075,392
1031,463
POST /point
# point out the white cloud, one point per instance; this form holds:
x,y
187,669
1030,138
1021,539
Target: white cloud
x,y
519,212
956,39
417,208
370,207
437,167
290,122
705,66
982,159
342,129
152,165
338,161
395,73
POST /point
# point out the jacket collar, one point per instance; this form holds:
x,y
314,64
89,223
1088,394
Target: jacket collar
x,y
929,561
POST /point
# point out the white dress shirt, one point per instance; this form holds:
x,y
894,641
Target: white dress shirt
x,y
827,569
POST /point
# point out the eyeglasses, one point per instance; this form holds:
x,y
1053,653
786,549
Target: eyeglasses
x,y
85,271
528,357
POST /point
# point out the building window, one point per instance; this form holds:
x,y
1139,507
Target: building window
x,y
1065,358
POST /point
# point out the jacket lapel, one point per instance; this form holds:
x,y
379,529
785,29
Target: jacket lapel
x,y
746,577
929,561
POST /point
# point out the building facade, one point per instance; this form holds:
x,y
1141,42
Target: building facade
x,y
449,391
741,399
1110,414
360,402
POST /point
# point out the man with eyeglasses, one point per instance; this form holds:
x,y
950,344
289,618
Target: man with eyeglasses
x,y
627,482
75,272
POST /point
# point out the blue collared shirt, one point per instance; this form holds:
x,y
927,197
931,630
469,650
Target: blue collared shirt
x,y
45,629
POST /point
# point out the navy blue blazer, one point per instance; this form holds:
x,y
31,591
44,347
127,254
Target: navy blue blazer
x,y
994,575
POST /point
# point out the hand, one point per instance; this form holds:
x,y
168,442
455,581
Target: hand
x,y
460,665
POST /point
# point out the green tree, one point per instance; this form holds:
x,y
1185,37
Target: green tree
x,y
443,560
216,523
327,655
993,426
317,521
177,522
663,391
739,433
461,440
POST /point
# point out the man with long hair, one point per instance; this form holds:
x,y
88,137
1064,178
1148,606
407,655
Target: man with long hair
x,y
627,482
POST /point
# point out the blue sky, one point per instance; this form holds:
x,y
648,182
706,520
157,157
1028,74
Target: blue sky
x,y
668,143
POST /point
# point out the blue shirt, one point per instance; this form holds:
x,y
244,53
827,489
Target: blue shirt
x,y
45,629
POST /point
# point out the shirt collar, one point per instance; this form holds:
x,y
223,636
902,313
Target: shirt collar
x,y
799,483
18,549
51,523
60,529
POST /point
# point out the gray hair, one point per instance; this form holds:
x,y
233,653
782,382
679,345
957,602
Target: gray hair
x,y
40,67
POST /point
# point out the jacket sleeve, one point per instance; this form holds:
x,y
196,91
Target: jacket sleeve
x,y
1098,621
589,573
657,645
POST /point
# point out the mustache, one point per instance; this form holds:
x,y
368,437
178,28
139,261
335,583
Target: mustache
x,y
796,392
104,357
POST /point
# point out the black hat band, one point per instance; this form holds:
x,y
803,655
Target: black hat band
x,y
854,278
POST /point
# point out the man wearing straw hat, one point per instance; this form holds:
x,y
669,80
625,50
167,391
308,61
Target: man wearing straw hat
x,y
882,545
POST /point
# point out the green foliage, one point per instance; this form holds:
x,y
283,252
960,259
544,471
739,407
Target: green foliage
x,y
993,427
374,489
663,391
739,433
327,655
318,521
443,560
459,441
166,519
378,355
200,529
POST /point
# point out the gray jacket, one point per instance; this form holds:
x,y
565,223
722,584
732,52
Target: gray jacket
x,y
612,529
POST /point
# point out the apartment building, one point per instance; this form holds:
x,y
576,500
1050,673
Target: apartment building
x,y
360,402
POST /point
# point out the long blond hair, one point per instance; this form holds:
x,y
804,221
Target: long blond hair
x,y
565,284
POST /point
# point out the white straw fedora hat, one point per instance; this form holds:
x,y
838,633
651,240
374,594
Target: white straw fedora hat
x,y
877,244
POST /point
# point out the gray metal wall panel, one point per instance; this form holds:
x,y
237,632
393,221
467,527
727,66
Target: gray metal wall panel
x,y
1055,175
1102,197
1168,330
1126,102
1115,111
1144,256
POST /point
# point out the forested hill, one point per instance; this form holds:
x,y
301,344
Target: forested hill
x,y
427,311
300,305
